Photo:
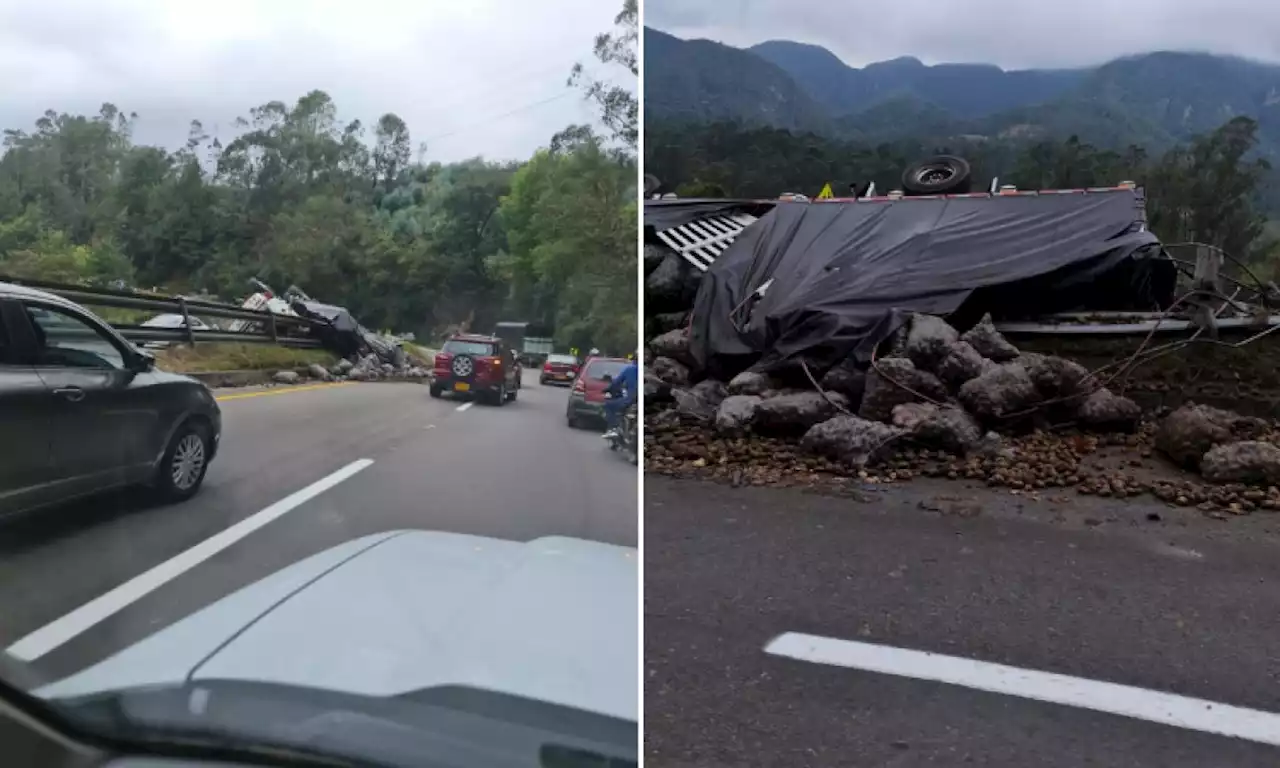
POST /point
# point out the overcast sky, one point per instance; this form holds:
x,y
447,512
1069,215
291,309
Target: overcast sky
x,y
466,75
1011,33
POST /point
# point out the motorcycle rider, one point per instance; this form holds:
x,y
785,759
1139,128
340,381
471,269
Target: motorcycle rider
x,y
623,388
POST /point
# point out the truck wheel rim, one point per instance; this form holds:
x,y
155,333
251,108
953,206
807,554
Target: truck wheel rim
x,y
188,460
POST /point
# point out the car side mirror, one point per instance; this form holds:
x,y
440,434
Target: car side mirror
x,y
142,361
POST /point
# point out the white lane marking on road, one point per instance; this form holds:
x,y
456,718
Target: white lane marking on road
x,y
466,405
1112,698
59,631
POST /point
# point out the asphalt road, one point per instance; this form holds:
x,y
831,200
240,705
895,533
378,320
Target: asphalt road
x,y
516,472
1179,604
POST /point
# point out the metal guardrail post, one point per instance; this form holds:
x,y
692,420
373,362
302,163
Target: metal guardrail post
x,y
272,325
186,320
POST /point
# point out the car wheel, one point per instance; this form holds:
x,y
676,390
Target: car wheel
x,y
185,462
502,395
435,391
542,381
573,421
513,394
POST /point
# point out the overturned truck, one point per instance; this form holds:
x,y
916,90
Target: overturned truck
x,y
771,285
942,316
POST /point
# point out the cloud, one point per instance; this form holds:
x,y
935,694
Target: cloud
x,y
470,77
1010,33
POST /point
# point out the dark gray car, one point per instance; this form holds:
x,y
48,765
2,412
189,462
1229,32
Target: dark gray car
x,y
82,410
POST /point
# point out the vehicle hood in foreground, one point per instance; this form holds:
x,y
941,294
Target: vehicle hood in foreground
x,y
554,619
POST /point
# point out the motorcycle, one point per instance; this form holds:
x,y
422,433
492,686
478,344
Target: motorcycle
x,y
628,434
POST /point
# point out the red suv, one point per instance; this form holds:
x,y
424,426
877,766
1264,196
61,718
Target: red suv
x,y
559,368
477,365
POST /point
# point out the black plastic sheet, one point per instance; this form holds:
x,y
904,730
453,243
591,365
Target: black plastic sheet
x,y
846,276
665,214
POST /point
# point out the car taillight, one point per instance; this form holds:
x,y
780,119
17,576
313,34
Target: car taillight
x,y
547,367
442,360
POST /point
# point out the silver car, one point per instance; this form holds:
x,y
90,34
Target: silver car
x,y
402,648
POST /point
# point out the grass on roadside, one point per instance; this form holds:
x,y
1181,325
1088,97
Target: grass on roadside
x,y
181,358
420,355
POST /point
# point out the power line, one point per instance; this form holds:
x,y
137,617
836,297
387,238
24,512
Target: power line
x,y
503,88
516,111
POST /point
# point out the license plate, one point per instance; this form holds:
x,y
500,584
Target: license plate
x,y
461,386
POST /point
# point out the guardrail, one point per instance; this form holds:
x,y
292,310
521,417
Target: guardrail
x,y
281,330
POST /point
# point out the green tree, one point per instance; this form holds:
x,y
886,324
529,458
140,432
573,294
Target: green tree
x,y
571,226
619,107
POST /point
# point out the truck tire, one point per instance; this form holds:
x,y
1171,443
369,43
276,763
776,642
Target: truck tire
x,y
939,175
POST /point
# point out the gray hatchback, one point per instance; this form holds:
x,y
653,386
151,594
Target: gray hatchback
x,y
83,411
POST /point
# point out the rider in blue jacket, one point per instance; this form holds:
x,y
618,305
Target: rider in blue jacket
x,y
624,391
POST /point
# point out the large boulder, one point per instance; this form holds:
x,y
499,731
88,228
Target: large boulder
x,y
656,391
1001,391
735,413
850,440
929,341
752,383
961,364
662,322
670,371
654,255
946,428
989,342
847,379
673,344
693,405
672,286
701,400
893,381
1105,411
318,371
286,377
792,414
1188,433
1057,377
1248,461
908,416
710,390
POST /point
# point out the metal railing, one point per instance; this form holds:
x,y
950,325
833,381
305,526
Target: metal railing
x,y
281,330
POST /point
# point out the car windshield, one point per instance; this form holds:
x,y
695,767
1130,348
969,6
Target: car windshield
x,y
459,347
598,369
562,359
355,482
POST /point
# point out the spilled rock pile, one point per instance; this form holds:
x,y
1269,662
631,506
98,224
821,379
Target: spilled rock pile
x,y
367,368
960,406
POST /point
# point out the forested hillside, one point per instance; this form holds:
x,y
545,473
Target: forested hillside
x,y
1154,100
353,213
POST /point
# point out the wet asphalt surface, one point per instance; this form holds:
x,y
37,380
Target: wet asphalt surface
x,y
516,472
1094,588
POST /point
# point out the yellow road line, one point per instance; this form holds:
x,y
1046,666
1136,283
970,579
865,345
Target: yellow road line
x,y
289,390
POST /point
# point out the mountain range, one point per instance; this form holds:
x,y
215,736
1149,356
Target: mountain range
x,y
1153,100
